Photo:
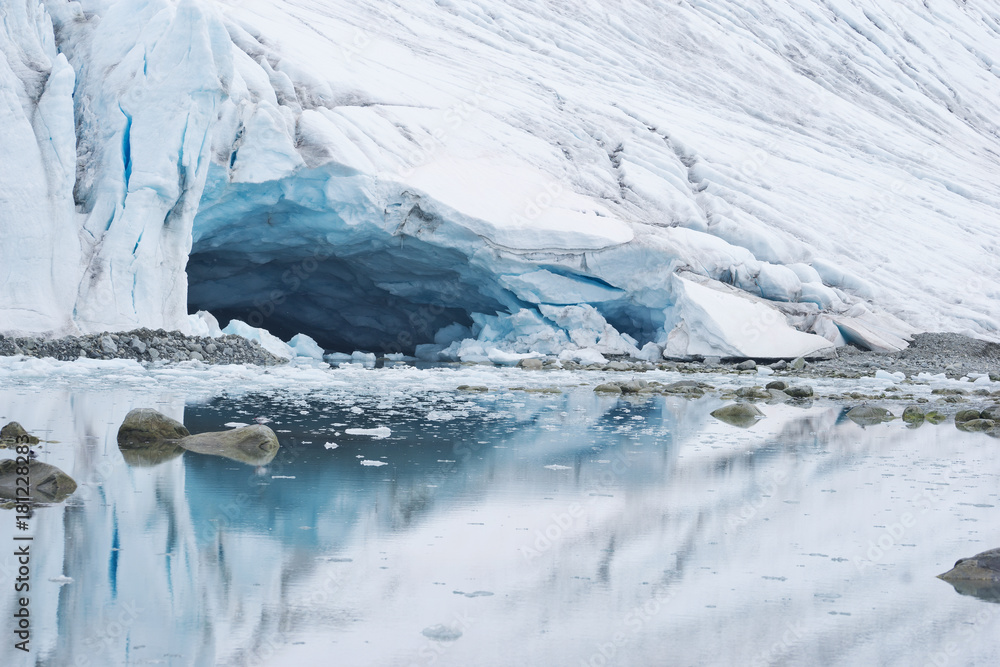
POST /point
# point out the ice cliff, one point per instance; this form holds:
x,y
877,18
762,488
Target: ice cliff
x,y
490,179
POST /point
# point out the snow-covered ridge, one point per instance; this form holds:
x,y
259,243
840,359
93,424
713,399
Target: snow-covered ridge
x,y
702,178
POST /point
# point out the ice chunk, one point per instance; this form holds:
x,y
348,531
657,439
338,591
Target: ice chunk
x,y
374,464
379,432
728,323
267,340
584,356
203,323
304,346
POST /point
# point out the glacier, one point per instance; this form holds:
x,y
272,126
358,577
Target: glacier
x,y
493,181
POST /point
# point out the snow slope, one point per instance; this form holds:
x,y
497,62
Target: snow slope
x,y
711,178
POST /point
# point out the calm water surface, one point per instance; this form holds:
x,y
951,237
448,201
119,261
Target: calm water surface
x,y
504,528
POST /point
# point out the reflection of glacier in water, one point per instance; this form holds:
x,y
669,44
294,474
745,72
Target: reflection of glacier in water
x,y
608,531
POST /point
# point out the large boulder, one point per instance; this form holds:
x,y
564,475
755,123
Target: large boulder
x,y
147,438
46,483
143,426
254,445
743,415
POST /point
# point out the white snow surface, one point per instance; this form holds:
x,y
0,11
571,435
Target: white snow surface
x,y
371,173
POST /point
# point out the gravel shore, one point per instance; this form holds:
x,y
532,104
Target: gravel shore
x,y
144,345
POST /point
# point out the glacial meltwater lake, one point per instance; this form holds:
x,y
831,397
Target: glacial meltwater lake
x,y
407,522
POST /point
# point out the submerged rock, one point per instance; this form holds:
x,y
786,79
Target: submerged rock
x,y
869,415
935,417
976,425
780,385
46,483
254,445
752,392
743,415
913,415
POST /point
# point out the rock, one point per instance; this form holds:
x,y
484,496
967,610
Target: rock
x,y
634,386
752,392
935,417
992,412
197,356
211,348
472,388
976,425
983,566
913,415
978,576
531,364
801,391
108,345
779,365
255,445
15,433
747,365
869,415
743,415
137,344
46,483
777,396
617,366
144,426
777,384
799,364
966,415
154,354
995,377
608,388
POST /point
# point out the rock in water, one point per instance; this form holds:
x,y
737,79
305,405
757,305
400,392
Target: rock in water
x,y
47,483
868,415
978,576
143,426
14,432
801,391
963,416
255,445
147,438
743,415
976,425
913,415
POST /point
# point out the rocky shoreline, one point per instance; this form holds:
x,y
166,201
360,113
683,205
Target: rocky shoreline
x,y
144,345
953,355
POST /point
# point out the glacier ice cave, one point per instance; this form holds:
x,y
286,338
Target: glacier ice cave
x,y
485,179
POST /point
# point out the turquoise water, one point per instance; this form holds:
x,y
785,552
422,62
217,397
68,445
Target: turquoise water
x,y
504,528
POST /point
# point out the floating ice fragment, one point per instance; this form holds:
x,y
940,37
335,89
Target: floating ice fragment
x,y
62,579
439,416
356,410
369,462
331,445
378,432
442,633
886,375
282,476
235,424
556,466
